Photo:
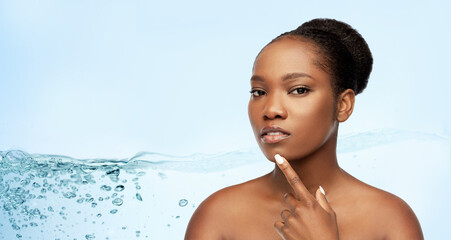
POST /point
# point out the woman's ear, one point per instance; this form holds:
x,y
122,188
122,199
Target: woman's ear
x,y
345,105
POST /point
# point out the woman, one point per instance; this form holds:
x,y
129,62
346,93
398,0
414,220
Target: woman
x,y
303,85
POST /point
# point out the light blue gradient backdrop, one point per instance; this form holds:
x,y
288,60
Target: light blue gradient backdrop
x,y
108,79
111,78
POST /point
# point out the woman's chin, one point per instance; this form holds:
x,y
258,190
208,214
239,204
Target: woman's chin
x,y
269,154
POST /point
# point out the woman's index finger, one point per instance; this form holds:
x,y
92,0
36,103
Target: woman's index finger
x,y
292,177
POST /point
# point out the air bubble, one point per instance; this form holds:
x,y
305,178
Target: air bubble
x,y
183,202
138,196
105,188
69,195
118,202
119,188
89,236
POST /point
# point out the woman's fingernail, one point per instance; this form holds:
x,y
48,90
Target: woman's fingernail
x,y
278,158
322,190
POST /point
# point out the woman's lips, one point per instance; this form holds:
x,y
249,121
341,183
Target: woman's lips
x,y
274,138
273,134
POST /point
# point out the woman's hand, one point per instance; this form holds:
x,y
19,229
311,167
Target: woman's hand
x,y
307,217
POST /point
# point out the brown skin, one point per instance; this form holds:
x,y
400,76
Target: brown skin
x,y
305,106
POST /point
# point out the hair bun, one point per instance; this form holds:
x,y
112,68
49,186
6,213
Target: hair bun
x,y
355,44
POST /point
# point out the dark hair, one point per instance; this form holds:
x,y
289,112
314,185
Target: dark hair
x,y
343,52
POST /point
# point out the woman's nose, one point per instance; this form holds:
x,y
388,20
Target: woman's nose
x,y
274,108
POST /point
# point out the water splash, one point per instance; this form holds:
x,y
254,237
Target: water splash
x,y
364,140
27,181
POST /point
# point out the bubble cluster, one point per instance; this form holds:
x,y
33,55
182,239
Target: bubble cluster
x,y
25,179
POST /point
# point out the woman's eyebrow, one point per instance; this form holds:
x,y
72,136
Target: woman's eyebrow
x,y
256,78
287,76
296,75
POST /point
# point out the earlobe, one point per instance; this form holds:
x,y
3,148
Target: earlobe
x,y
345,105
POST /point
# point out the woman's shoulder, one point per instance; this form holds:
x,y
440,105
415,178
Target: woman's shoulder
x,y
217,213
398,218
228,200
388,214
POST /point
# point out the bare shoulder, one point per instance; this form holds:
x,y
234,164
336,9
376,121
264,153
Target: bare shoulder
x,y
399,219
216,215
390,216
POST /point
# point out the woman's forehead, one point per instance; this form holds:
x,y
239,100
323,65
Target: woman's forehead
x,y
285,56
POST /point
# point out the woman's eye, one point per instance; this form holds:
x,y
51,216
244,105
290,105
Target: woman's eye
x,y
257,93
301,90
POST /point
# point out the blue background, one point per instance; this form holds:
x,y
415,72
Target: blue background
x,y
111,78
107,79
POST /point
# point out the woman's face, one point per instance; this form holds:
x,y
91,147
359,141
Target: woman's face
x,y
292,106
